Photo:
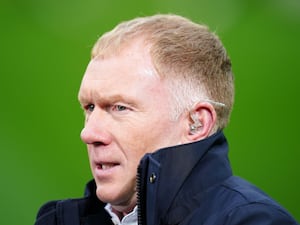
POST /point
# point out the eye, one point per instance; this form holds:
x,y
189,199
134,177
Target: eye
x,y
90,107
119,108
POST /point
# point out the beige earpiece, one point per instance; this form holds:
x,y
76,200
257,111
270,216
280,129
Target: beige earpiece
x,y
194,127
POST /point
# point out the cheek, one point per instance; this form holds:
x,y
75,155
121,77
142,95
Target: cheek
x,y
146,141
147,136
137,145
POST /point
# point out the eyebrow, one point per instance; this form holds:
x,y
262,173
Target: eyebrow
x,y
102,100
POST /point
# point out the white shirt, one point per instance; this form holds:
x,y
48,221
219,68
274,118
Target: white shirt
x,y
129,219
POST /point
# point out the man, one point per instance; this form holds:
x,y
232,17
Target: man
x,y
156,95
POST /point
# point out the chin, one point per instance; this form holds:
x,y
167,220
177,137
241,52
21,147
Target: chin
x,y
107,195
103,196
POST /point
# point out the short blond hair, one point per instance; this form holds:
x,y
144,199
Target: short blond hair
x,y
186,54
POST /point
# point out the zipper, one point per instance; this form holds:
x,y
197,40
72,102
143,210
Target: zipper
x,y
141,190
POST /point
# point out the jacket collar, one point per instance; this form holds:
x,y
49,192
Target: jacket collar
x,y
184,170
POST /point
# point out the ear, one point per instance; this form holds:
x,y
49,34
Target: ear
x,y
200,122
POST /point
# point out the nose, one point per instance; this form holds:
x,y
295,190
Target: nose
x,y
95,130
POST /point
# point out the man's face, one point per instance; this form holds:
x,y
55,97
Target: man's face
x,y
127,110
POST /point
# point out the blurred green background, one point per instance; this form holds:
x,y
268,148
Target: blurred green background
x,y
45,47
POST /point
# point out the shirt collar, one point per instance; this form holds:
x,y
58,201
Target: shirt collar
x,y
129,219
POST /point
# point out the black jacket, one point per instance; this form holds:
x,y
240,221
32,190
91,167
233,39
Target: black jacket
x,y
189,184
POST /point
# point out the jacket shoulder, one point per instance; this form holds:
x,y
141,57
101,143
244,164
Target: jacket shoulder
x,y
250,205
259,213
80,211
60,212
46,214
247,214
235,202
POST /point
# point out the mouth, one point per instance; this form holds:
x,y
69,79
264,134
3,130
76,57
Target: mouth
x,y
103,170
105,166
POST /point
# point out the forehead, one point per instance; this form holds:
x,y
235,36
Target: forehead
x,y
128,73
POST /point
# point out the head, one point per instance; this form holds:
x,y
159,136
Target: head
x,y
152,82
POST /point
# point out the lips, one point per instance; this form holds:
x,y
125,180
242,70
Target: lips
x,y
106,166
